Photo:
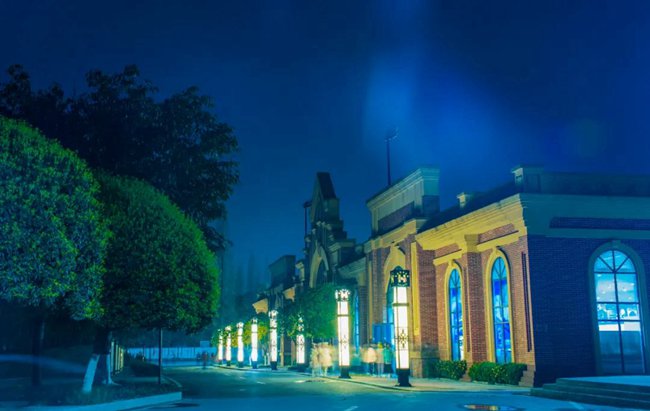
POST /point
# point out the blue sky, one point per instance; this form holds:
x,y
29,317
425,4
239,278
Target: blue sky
x,y
474,88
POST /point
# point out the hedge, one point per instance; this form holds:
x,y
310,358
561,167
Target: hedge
x,y
493,373
448,369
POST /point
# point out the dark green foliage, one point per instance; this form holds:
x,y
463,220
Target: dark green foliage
x,y
177,143
513,373
493,373
448,369
142,368
52,239
159,271
317,307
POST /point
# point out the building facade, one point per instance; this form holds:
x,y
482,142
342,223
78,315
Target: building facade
x,y
548,270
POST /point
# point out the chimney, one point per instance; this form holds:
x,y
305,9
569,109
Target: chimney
x,y
528,178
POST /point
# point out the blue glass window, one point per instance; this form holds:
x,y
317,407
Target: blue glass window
x,y
618,313
500,312
390,330
456,316
357,339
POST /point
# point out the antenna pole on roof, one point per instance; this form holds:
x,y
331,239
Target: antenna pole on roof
x,y
391,135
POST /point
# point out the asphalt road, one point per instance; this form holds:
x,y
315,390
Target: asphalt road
x,y
224,389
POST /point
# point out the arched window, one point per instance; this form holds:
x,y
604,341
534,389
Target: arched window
x,y
501,312
455,316
618,313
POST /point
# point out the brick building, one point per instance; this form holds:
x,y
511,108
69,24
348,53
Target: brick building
x,y
547,270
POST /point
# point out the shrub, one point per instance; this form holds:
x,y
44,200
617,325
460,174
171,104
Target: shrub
x,y
493,373
448,369
483,371
513,372
143,369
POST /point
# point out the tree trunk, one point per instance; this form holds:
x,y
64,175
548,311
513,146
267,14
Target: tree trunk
x,y
89,377
101,347
38,335
160,356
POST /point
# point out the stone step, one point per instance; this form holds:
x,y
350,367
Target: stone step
x,y
606,391
549,391
602,385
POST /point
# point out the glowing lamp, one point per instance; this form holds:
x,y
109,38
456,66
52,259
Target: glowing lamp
x,y
240,344
300,345
220,349
228,345
400,280
273,338
254,343
343,316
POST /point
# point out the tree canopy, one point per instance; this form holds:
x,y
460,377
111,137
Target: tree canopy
x,y
159,271
177,143
317,307
52,238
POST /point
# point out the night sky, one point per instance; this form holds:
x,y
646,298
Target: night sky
x,y
474,88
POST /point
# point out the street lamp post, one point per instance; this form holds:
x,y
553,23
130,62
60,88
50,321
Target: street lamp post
x,y
228,345
254,343
220,349
343,314
240,344
273,338
400,280
300,345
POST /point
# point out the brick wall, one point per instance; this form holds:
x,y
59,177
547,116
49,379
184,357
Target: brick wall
x,y
428,338
562,305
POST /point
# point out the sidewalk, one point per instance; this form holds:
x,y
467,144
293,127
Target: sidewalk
x,y
429,384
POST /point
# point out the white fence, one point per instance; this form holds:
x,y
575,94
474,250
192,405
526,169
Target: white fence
x,y
171,353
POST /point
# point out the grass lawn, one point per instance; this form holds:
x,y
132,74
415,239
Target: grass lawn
x,y
69,392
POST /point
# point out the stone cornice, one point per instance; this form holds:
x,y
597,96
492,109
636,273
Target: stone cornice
x,y
402,185
396,235
462,230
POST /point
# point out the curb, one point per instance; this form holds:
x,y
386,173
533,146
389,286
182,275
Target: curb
x,y
116,405
248,369
420,389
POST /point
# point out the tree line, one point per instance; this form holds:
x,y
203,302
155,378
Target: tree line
x,y
106,208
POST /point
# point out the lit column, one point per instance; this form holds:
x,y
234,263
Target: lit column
x,y
240,344
273,338
300,345
254,343
400,280
228,345
343,314
220,348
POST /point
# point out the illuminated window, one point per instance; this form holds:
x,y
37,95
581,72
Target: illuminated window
x,y
618,313
500,312
357,328
455,316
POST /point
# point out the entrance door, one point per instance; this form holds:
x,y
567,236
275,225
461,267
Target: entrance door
x,y
620,322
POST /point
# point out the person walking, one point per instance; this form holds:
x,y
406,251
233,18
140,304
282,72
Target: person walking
x,y
388,360
371,358
326,357
313,361
380,360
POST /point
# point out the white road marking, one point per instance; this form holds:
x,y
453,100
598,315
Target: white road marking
x,y
260,382
354,407
241,378
576,405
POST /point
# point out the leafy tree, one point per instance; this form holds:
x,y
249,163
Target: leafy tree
x,y
159,271
317,307
52,239
177,144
